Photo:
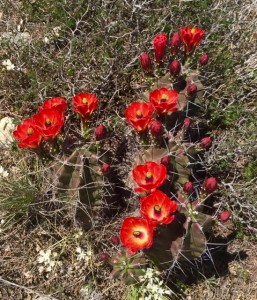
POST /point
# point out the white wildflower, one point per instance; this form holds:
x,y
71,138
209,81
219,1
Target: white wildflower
x,y
8,64
47,259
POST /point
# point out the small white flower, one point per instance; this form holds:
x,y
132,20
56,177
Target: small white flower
x,y
5,174
44,256
1,169
8,64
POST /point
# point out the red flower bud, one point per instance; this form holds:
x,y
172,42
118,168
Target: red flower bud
x,y
165,161
210,185
175,43
187,122
115,240
100,132
188,187
206,143
203,60
104,256
146,63
175,68
192,90
105,168
224,216
159,43
156,128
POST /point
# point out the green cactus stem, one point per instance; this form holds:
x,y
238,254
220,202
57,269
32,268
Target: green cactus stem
x,y
128,268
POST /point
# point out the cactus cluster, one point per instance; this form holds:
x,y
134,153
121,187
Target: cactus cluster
x,y
160,169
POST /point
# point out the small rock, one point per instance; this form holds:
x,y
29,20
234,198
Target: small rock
x,y
6,130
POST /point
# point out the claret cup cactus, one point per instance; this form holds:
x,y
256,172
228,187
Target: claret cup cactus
x,y
165,220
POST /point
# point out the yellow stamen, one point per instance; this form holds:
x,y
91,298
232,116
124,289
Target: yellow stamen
x,y
29,131
84,100
193,30
139,113
48,121
136,233
157,208
164,98
149,175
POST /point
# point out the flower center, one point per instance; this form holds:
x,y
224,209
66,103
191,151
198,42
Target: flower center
x,y
148,176
139,114
29,131
164,98
193,30
84,101
137,233
48,122
157,209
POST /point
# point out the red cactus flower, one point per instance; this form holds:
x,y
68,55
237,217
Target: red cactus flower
x,y
175,43
192,90
206,143
49,122
136,234
224,216
146,63
157,208
175,68
27,135
188,187
164,100
139,115
149,176
191,37
57,103
156,128
84,104
100,132
203,60
159,43
210,185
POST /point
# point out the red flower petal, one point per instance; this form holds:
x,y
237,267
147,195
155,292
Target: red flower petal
x,y
84,104
139,115
164,100
149,176
191,37
136,234
157,208
27,135
49,122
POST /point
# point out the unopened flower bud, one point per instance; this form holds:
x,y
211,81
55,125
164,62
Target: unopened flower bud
x,y
192,90
105,168
104,256
165,161
115,240
175,68
156,128
187,122
206,143
224,216
210,185
175,43
188,187
146,63
203,60
100,132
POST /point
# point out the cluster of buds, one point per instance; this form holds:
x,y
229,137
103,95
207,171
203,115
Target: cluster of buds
x,y
187,36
